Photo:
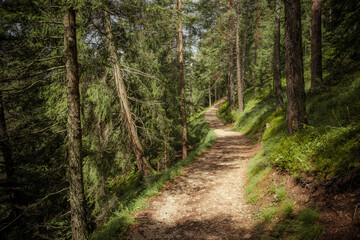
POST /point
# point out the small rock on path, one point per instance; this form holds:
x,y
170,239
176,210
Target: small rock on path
x,y
208,200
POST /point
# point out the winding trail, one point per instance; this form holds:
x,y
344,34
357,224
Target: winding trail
x,y
208,200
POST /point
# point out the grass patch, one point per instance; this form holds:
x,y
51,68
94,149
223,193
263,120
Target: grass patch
x,y
257,110
328,146
258,170
224,113
302,226
306,224
268,214
286,207
134,199
276,219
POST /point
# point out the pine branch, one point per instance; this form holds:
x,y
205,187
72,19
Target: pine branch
x,y
32,206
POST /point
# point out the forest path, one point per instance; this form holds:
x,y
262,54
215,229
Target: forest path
x,y
208,200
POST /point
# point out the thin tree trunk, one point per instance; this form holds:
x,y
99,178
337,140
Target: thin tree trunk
x,y
296,111
215,92
260,45
191,98
182,85
316,55
231,61
77,201
209,94
277,67
240,84
245,41
256,47
141,162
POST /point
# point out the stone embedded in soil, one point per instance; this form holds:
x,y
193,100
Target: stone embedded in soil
x,y
247,236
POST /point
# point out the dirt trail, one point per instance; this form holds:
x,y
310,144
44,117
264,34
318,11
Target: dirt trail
x,y
208,200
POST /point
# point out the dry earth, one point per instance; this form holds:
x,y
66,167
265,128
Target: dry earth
x,y
208,200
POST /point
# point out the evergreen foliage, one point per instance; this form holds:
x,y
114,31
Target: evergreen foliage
x,y
34,200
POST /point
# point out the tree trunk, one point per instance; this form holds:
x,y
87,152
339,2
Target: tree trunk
x,y
191,98
238,76
77,201
231,61
209,94
277,67
256,47
316,56
215,92
141,162
182,86
245,41
296,111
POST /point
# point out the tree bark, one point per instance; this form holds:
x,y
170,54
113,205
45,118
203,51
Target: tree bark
x,y
240,84
141,162
245,42
231,61
77,201
296,109
277,67
191,98
182,85
255,48
215,92
316,55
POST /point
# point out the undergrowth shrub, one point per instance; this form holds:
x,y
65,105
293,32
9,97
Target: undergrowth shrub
x,y
224,113
254,117
329,146
277,219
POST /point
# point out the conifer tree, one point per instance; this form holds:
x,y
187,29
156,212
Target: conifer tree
x,y
296,112
77,200
277,66
182,84
240,83
243,67
142,163
316,55
257,20
231,61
